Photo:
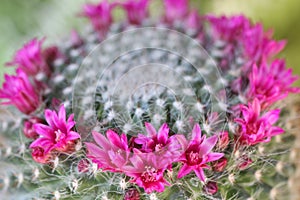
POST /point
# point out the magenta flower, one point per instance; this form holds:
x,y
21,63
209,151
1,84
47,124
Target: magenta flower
x,y
271,83
170,148
176,10
147,170
30,58
193,20
198,154
20,92
228,28
136,10
100,16
255,129
110,153
57,135
258,45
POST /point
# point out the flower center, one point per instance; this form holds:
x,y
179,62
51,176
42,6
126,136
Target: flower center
x,y
193,158
252,128
58,135
158,147
149,175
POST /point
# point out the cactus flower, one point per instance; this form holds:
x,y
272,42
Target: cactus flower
x,y
20,92
271,83
198,154
30,58
255,128
136,10
147,171
176,10
57,135
111,152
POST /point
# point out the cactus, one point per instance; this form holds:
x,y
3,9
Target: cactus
x,y
183,106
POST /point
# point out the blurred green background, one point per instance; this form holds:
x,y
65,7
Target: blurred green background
x,y
21,20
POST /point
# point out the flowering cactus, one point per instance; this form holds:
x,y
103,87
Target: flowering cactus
x,y
188,103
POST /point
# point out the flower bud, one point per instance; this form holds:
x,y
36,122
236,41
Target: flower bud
x,y
211,188
132,194
220,164
223,140
83,166
28,129
244,163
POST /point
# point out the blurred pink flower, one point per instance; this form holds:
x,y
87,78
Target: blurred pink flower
x,y
255,129
258,44
271,83
194,20
198,154
176,10
110,153
100,16
57,135
136,10
228,28
147,170
20,92
30,58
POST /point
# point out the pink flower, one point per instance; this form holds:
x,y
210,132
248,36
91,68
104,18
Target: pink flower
x,y
210,188
198,154
20,93
136,10
29,130
259,45
193,20
156,141
176,10
220,164
57,135
30,58
271,83
147,170
100,16
255,129
110,153
228,28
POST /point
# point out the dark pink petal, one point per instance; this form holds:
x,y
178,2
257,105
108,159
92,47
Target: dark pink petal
x,y
200,174
185,169
44,130
214,156
163,134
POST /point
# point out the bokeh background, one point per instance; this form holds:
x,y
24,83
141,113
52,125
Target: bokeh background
x,y
22,20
